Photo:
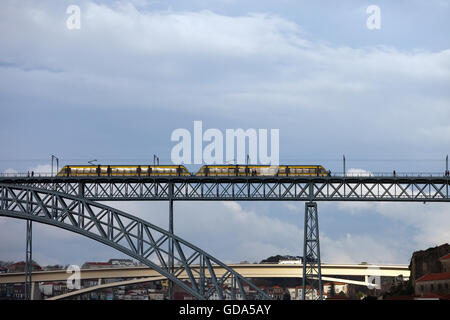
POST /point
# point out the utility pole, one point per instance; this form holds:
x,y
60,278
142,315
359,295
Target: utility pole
x,y
57,163
446,164
343,157
155,160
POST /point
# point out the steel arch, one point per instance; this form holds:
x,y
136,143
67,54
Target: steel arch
x,y
129,234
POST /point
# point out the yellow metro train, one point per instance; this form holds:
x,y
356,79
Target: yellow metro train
x,y
261,170
204,171
123,170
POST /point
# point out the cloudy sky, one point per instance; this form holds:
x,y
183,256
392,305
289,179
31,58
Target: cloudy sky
x,y
115,89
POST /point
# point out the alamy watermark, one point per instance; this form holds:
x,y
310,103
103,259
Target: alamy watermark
x,y
239,146
374,20
73,281
73,22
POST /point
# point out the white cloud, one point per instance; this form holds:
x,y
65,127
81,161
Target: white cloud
x,y
431,221
294,207
224,229
42,168
247,63
10,171
438,132
359,248
358,172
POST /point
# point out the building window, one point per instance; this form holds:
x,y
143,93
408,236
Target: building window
x,y
421,288
432,287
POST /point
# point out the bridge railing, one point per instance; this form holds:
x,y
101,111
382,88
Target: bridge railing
x,y
26,174
389,174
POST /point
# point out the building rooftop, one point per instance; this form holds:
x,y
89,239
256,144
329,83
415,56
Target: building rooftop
x,y
434,276
441,296
446,257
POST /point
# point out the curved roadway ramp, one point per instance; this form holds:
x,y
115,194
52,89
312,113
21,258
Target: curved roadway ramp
x,y
133,236
105,286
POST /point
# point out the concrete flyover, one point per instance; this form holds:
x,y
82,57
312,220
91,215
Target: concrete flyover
x,y
249,270
330,272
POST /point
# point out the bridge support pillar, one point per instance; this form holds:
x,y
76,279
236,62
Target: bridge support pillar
x,y
171,245
28,261
312,273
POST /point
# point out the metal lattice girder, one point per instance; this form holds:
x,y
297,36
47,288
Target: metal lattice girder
x,y
131,235
312,273
429,189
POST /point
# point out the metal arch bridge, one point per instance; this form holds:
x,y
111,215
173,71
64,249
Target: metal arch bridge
x,y
413,188
126,233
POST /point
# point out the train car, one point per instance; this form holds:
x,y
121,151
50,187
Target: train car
x,y
123,170
263,170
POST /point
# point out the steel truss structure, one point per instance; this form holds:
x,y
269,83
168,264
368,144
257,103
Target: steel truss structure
x,y
133,236
185,188
420,189
312,273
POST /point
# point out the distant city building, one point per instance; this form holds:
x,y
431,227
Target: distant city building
x,y
427,261
435,283
121,262
339,288
291,261
50,289
445,262
278,258
276,292
54,267
20,267
297,293
96,265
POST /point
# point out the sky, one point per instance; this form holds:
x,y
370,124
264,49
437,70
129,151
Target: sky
x,y
116,88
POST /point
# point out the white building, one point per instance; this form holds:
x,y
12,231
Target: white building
x,y
339,288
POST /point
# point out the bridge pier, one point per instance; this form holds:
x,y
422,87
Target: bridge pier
x,y
28,261
171,245
312,271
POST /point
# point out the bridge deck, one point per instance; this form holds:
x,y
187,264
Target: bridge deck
x,y
307,188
